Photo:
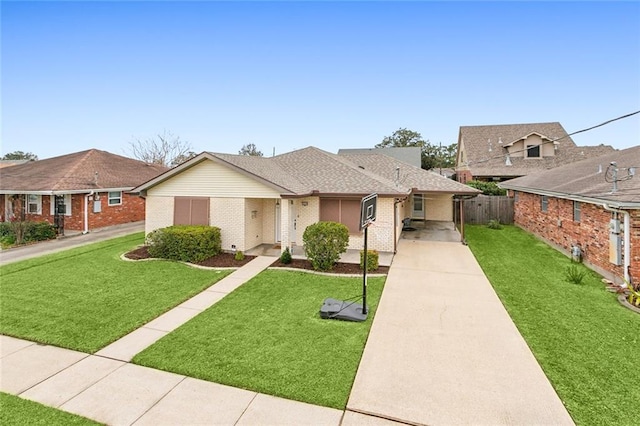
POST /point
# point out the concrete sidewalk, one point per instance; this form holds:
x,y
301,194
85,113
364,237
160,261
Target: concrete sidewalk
x,y
443,350
117,393
128,346
74,240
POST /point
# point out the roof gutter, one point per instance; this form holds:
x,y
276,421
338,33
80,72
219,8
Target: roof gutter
x,y
627,239
575,197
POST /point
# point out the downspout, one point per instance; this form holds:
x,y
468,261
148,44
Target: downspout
x,y
627,239
86,212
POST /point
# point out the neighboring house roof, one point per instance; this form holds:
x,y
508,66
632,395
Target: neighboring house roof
x,y
485,149
409,154
78,172
314,171
588,180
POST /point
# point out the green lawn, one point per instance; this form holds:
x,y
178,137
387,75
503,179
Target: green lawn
x,y
87,297
267,336
18,411
587,344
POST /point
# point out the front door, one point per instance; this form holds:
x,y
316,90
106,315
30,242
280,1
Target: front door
x,y
418,207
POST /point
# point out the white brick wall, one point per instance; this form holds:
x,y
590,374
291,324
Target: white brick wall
x,y
269,221
439,207
158,213
228,215
252,225
307,215
380,234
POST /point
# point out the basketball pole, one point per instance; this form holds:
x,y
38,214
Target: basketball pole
x,y
364,273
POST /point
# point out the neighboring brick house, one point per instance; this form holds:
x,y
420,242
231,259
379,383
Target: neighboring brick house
x,y
258,200
91,189
592,204
505,151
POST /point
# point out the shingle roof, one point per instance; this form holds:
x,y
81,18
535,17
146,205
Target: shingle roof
x,y
587,179
408,176
76,172
311,170
409,154
484,162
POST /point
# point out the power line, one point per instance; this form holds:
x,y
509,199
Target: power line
x,y
560,138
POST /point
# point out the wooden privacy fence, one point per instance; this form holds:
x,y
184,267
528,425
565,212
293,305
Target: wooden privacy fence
x,y
483,208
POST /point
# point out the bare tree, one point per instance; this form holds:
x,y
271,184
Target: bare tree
x,y
164,149
250,149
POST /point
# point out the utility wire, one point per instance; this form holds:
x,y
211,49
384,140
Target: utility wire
x,y
557,139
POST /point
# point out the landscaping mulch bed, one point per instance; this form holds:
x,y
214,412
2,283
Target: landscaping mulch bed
x,y
339,268
223,260
227,260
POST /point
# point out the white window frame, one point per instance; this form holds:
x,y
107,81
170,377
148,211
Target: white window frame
x,y
534,146
110,198
67,203
37,202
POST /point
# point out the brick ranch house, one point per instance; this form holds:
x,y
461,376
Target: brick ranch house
x,y
91,189
258,200
506,151
592,204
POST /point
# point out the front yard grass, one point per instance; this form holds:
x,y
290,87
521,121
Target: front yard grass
x,y
267,336
18,411
87,297
587,344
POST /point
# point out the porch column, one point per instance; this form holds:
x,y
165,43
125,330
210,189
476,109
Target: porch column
x,y
285,241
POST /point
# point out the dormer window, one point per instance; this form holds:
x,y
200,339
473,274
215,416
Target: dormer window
x,y
533,151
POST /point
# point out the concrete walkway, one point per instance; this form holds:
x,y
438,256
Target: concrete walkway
x,y
443,350
70,241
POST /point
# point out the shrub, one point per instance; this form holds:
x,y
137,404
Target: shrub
x,y
285,257
487,188
372,260
575,274
494,224
239,256
324,242
187,243
39,231
24,232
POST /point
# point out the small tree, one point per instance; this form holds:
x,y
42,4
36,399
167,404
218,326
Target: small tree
x,y
487,188
250,149
165,149
19,155
324,242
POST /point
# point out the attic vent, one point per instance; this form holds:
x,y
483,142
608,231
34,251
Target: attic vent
x,y
507,161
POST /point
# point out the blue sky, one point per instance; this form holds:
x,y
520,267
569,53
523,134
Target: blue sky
x,y
286,75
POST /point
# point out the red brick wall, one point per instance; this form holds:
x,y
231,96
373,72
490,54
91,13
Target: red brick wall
x,y
131,210
557,226
464,176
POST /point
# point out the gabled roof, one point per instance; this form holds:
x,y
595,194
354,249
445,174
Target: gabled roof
x,y
77,173
485,149
311,170
588,180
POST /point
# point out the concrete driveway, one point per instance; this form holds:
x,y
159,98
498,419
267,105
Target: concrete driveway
x,y
443,350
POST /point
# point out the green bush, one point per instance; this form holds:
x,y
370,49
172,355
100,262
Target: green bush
x,y
324,242
575,274
494,224
285,257
239,256
30,231
487,188
372,260
187,243
39,231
